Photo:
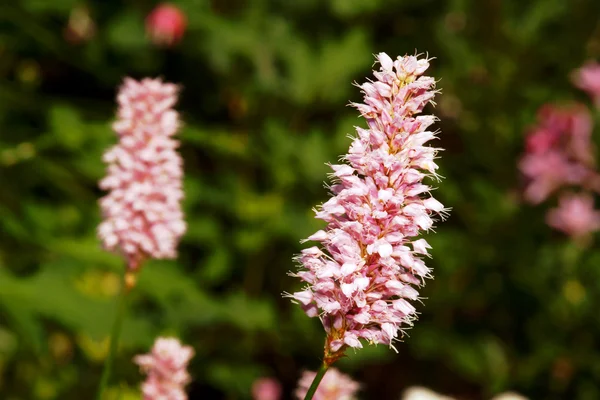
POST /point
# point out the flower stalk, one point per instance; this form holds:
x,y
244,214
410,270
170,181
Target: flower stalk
x,y
327,383
315,383
114,337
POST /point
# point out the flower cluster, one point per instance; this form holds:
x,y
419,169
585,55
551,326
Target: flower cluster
x,y
560,154
361,278
165,367
334,386
142,213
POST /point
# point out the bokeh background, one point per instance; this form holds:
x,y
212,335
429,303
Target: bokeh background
x,y
514,305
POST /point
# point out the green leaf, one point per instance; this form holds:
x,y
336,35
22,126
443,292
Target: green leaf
x,y
66,125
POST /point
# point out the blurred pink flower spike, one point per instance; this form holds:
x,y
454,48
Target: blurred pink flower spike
x,y
166,370
587,78
575,215
334,386
142,211
362,277
165,25
559,152
266,389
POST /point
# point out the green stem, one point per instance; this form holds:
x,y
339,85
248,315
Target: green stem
x,y
316,381
114,339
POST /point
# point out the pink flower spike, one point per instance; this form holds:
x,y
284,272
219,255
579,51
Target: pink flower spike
x,y
166,370
575,215
334,386
369,254
587,78
165,25
142,212
266,389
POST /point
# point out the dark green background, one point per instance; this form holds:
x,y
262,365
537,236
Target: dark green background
x,y
513,304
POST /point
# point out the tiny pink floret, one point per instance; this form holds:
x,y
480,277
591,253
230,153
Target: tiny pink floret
x,y
334,386
166,370
587,78
575,215
363,275
142,211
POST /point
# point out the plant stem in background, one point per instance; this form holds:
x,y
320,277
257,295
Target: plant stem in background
x,y
316,381
114,336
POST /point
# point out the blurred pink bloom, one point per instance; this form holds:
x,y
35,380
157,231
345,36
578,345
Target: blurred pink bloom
x,y
587,78
334,386
361,278
572,129
166,370
142,212
559,152
575,215
266,389
165,25
548,172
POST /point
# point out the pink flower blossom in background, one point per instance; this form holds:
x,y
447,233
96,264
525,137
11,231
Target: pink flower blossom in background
x,y
266,389
559,152
566,128
334,386
587,78
165,25
548,172
360,281
575,215
166,370
142,212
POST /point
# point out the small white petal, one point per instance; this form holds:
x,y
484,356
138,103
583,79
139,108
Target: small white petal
x,y
385,250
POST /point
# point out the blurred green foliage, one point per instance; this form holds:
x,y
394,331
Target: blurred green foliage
x,y
265,84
